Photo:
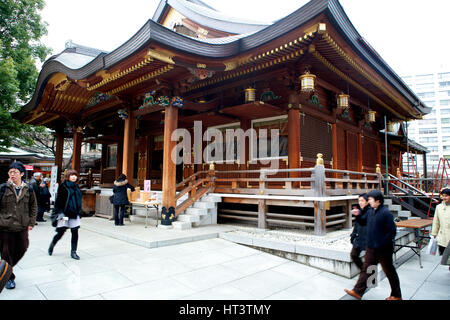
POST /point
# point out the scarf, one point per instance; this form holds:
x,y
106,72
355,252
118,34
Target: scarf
x,y
74,204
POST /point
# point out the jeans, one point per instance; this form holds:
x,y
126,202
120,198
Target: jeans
x,y
118,220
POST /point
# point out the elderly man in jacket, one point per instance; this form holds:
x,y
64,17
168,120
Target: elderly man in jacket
x,y
18,209
381,231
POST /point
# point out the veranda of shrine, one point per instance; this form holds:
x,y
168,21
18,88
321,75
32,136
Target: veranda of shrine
x,y
309,75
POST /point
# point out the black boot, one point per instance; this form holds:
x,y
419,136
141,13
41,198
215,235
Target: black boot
x,y
50,249
74,255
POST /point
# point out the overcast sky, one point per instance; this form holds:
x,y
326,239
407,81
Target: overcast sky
x,y
410,35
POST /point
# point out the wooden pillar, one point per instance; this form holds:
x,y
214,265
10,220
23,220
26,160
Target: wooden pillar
x,y
334,142
360,152
103,161
246,124
150,146
59,154
119,159
76,158
294,143
128,147
169,167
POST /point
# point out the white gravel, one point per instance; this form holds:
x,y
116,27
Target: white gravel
x,y
334,240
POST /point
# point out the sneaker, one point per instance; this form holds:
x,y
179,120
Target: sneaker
x,y
10,284
5,273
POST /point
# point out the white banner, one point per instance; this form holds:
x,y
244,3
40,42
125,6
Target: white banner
x,y
53,183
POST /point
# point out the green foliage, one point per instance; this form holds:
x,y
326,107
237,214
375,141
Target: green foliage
x,y
21,28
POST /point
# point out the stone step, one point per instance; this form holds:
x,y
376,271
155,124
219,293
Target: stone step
x,y
387,202
204,205
395,207
404,213
188,218
197,211
182,225
210,198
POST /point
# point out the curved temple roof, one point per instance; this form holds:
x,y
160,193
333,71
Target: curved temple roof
x,y
221,48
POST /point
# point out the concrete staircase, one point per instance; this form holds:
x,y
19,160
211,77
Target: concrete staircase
x,y
202,212
398,211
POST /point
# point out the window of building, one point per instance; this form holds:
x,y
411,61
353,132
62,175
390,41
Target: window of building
x,y
428,122
433,148
434,157
428,131
430,104
444,84
445,120
444,76
445,139
444,102
445,130
424,78
426,95
428,140
425,87
445,111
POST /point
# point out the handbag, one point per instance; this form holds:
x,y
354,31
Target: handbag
x,y
432,247
54,218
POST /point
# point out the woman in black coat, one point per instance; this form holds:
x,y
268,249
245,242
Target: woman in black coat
x,y
359,235
67,212
120,198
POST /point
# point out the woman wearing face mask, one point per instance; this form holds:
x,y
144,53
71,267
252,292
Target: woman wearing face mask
x,y
358,236
67,209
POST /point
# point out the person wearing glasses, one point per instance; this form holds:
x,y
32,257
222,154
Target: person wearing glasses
x,y
18,210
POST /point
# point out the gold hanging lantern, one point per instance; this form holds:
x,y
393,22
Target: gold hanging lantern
x,y
371,116
343,101
307,81
250,95
390,126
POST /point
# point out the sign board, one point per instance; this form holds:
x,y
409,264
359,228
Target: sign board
x,y
53,182
28,167
147,186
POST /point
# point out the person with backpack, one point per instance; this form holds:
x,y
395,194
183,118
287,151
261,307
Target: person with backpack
x,y
45,196
120,198
18,211
67,212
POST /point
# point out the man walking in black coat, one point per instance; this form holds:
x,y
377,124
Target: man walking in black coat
x,y
381,231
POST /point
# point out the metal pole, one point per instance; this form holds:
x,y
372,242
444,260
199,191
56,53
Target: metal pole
x,y
407,146
386,189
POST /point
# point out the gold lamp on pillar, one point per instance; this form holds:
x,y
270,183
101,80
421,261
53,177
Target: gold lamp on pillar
x,y
250,95
307,81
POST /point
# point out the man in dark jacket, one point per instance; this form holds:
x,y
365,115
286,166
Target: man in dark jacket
x,y
37,183
18,210
381,231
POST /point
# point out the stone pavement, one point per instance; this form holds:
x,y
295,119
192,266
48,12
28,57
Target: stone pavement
x,y
133,262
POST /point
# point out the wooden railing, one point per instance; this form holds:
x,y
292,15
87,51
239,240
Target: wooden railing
x,y
318,184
